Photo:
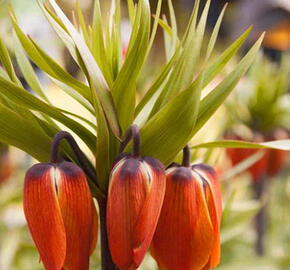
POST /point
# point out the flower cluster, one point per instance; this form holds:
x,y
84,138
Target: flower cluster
x,y
177,211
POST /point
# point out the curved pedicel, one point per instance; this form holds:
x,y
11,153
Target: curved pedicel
x,y
135,197
187,234
60,213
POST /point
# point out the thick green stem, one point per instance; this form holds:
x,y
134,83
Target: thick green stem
x,y
82,159
107,263
186,156
134,134
261,219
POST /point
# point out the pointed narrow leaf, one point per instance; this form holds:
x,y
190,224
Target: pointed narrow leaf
x,y
279,144
82,23
124,87
27,100
98,45
97,80
6,61
160,78
21,133
216,97
183,72
27,70
48,65
214,34
165,134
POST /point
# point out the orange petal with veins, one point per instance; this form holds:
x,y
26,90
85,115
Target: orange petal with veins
x,y
76,207
133,209
94,236
43,215
60,214
183,239
214,201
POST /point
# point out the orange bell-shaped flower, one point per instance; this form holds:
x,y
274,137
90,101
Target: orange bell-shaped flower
x,y
237,155
136,193
187,234
61,215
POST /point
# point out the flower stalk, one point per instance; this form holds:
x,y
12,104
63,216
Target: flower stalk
x,y
107,262
82,159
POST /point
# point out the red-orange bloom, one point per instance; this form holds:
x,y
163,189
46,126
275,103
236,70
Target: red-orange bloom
x,y
61,216
187,234
236,155
136,192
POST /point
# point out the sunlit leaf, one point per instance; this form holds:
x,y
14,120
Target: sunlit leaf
x,y
216,97
279,144
96,78
27,100
165,134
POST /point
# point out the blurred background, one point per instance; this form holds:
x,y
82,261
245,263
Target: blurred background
x,y
256,184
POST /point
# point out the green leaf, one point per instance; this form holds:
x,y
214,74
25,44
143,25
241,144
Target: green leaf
x,y
214,34
174,27
154,27
96,78
115,37
278,144
24,99
75,95
124,87
165,134
27,70
160,79
210,72
48,65
60,30
131,10
82,23
6,61
98,45
216,67
217,96
183,72
166,27
21,133
103,165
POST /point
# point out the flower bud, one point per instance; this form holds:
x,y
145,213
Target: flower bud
x,y
236,155
136,192
61,216
187,234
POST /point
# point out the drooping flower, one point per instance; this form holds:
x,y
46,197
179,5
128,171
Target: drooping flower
x,y
237,155
61,215
187,234
135,196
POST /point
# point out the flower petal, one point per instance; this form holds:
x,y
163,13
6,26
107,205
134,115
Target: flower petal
x,y
76,207
148,217
127,193
43,215
95,225
183,237
214,201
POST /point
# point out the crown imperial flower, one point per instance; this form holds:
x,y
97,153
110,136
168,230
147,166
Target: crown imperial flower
x,y
136,192
187,234
60,214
